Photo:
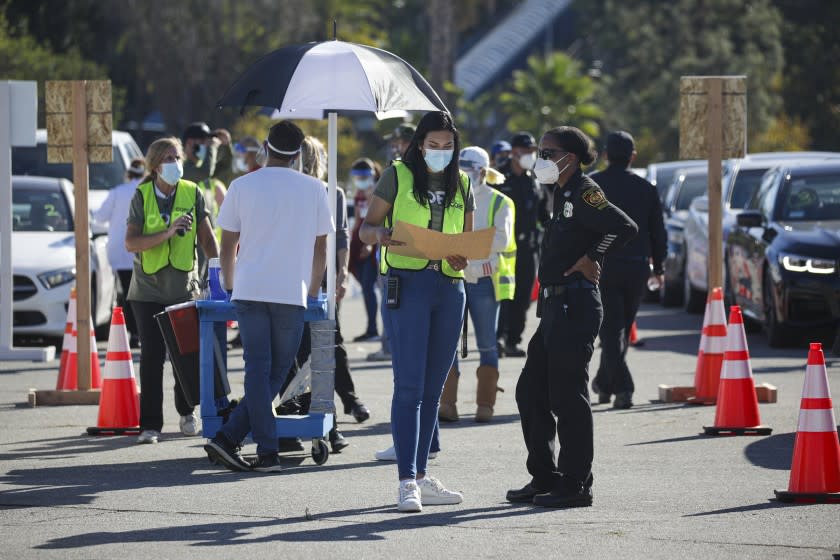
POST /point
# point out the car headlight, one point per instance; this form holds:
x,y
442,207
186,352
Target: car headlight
x,y
798,263
55,278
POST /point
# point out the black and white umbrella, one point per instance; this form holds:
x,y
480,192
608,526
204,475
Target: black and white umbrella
x,y
325,79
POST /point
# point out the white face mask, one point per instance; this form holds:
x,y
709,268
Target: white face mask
x,y
547,172
363,183
526,161
240,165
475,177
171,172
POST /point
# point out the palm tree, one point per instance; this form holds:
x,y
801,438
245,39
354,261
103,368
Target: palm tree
x,y
552,92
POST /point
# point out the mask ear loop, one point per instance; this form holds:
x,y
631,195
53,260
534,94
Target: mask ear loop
x,y
561,159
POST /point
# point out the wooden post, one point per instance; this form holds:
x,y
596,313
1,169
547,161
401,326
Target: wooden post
x,y
714,143
80,184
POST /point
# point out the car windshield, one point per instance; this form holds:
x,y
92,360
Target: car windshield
x,y
692,187
746,185
33,161
813,198
40,210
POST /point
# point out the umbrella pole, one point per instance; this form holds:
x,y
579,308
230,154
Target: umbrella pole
x,y
332,176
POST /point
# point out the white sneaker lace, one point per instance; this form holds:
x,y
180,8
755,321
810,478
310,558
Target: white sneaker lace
x,y
407,491
435,485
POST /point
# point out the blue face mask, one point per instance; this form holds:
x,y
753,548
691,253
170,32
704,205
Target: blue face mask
x,y
437,160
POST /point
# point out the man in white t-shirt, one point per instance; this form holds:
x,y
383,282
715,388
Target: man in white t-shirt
x,y
280,220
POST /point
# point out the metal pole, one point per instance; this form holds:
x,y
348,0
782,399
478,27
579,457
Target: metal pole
x,y
332,176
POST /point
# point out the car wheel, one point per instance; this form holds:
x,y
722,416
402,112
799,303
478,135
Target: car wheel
x,y
777,333
694,300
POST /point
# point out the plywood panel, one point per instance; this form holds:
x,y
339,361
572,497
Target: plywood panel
x,y
694,110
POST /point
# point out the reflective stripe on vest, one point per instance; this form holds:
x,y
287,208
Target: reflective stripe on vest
x,y
177,252
407,209
504,279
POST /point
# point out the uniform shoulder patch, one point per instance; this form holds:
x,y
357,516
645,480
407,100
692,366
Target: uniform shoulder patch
x,y
595,198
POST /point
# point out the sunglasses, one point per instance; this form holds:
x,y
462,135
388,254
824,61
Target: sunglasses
x,y
549,154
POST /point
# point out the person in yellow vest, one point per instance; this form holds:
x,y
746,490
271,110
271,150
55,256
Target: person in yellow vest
x,y
425,299
487,283
166,219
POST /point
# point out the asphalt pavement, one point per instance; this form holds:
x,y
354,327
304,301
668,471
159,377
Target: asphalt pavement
x,y
661,489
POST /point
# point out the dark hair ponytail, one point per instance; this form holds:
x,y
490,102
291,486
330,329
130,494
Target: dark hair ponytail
x,y
575,141
413,157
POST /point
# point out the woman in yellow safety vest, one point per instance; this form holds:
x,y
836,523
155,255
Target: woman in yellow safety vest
x,y
487,283
162,233
425,299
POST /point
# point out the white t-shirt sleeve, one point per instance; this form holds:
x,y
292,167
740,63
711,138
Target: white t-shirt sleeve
x,y
229,218
325,222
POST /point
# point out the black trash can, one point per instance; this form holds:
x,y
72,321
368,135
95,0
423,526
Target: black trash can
x,y
185,364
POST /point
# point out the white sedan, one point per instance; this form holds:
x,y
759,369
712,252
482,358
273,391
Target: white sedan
x,y
44,260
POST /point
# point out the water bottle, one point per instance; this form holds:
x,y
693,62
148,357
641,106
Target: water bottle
x,y
214,273
653,283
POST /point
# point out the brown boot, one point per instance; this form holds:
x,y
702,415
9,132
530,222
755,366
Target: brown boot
x,y
448,412
485,398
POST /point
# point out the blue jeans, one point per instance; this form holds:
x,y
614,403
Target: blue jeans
x,y
367,278
271,334
424,335
484,312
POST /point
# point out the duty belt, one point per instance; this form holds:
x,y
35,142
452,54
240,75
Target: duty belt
x,y
560,289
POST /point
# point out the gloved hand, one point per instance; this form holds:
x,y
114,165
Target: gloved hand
x,y
316,308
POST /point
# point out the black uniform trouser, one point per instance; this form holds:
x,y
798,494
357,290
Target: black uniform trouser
x,y
554,383
622,285
512,313
152,357
344,386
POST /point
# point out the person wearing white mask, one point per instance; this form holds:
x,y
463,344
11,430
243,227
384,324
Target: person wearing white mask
x,y
363,174
113,213
488,281
522,187
166,219
425,298
247,150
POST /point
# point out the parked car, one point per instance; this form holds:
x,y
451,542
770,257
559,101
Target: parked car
x,y
784,253
101,176
686,186
661,174
741,180
44,260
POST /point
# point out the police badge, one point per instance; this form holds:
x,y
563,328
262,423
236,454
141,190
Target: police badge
x,y
567,209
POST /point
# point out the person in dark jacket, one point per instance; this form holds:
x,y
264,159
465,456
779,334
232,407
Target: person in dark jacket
x,y
626,271
552,393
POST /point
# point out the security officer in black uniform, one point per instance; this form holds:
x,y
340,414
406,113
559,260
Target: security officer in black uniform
x,y
528,203
625,273
553,383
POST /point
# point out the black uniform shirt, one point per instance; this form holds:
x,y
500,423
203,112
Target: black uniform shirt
x,y
584,223
639,200
527,201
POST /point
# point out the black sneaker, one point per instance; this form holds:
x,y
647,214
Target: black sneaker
x,y
566,498
360,412
289,444
514,351
366,337
524,495
223,452
267,463
623,401
603,396
337,441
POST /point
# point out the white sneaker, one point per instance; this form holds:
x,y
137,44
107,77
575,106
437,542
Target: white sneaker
x,y
390,454
189,425
434,494
409,497
148,436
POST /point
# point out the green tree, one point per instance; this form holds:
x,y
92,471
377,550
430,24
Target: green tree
x,y
551,92
22,57
646,46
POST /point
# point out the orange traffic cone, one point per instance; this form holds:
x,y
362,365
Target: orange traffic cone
x,y
68,335
535,290
737,405
68,342
710,354
119,406
815,469
634,336
69,380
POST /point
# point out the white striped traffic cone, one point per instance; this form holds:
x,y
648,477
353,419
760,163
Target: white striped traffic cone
x,y
712,348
